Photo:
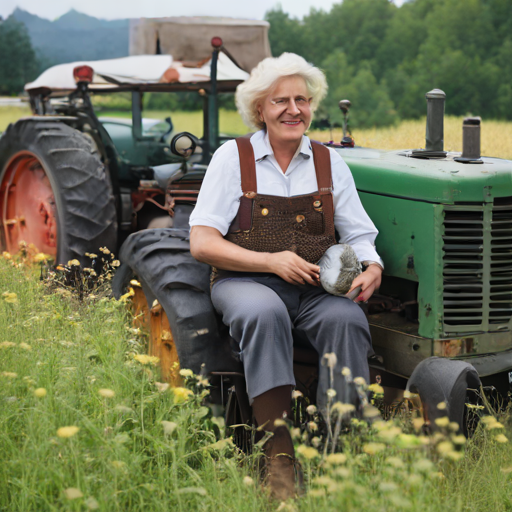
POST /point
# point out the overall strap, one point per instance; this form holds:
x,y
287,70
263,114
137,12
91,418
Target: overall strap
x,y
322,160
247,167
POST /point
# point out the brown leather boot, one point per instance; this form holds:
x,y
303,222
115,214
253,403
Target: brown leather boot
x,y
280,477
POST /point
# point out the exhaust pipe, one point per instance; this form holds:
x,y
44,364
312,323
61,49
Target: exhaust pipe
x,y
434,136
470,141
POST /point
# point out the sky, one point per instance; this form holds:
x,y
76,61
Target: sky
x,y
115,9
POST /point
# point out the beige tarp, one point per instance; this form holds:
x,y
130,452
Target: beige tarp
x,y
189,38
136,70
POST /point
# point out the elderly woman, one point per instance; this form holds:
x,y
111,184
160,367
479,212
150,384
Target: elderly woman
x,y
267,211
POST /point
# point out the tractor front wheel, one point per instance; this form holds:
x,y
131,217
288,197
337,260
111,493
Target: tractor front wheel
x,y
54,191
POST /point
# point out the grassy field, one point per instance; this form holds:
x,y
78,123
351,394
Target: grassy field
x,y
86,425
496,135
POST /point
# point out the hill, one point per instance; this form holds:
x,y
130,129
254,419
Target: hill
x,y
75,36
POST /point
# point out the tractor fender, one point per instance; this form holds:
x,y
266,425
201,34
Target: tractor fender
x,y
437,380
161,260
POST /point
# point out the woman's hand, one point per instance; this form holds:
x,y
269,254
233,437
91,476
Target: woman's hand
x,y
369,281
292,268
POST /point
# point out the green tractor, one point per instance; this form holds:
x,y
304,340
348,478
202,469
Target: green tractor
x,y
71,182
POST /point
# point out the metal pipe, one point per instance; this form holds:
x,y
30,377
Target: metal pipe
x,y
213,110
434,137
471,138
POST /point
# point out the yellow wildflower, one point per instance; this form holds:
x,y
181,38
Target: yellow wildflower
x,y
145,359
247,480
396,462
135,283
25,346
501,438
408,441
295,433
441,406
40,392
184,372
118,464
106,393
127,295
40,257
453,426
10,297
315,441
335,458
359,381
373,448
312,426
6,255
388,486
181,395
296,394
311,409
495,424
73,263
460,439
342,408
279,422
10,375
323,480
116,263
7,344
445,447
331,393
330,359
442,422
307,452
73,493
417,423
65,432
376,389
488,419
453,455
423,465
346,372
390,433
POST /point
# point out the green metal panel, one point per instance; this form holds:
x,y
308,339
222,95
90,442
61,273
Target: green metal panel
x,y
437,181
410,243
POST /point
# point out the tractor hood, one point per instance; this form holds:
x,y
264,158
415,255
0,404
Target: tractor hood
x,y
444,180
140,70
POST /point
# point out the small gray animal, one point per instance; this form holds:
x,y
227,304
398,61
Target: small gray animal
x,y
339,266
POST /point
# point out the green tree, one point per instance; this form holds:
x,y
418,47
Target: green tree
x,y
371,104
18,62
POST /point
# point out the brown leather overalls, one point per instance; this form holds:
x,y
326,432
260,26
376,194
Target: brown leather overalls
x,y
301,224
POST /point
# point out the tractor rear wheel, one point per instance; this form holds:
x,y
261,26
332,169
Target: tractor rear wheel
x,y
54,191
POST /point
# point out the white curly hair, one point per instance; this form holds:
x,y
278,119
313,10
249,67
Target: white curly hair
x,y
266,74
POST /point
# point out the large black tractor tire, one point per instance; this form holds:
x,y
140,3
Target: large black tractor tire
x,y
82,211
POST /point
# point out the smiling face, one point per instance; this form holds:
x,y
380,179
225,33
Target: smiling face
x,y
286,110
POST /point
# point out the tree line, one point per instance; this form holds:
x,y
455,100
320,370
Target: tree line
x,y
382,57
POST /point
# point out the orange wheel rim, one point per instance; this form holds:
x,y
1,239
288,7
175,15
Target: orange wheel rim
x,y
27,205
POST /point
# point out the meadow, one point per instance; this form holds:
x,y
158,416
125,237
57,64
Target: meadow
x,y
496,135
86,424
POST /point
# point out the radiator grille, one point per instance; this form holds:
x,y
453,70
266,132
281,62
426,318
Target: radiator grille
x,y
477,267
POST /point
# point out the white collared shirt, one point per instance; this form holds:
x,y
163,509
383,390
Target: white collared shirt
x,y
219,197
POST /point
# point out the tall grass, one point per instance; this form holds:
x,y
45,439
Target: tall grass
x,y
140,446
496,135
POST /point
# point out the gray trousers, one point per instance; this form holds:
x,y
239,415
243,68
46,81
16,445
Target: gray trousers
x,y
262,310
